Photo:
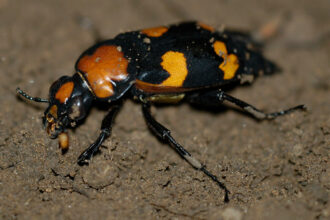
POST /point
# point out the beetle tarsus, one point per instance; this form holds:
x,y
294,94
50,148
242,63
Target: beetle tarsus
x,y
87,154
215,179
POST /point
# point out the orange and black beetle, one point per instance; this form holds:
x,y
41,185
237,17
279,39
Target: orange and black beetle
x,y
189,61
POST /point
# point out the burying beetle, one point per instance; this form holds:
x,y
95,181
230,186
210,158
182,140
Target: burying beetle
x,y
189,61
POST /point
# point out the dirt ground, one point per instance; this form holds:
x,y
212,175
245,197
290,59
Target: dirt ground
x,y
274,169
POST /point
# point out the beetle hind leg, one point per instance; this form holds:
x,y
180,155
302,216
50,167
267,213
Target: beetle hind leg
x,y
217,97
164,134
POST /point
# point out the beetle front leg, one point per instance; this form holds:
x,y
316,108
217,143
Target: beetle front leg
x,y
105,133
165,135
219,96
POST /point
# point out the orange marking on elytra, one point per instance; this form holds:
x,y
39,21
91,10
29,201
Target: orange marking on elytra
x,y
154,32
206,27
105,65
176,65
64,92
230,62
220,48
230,67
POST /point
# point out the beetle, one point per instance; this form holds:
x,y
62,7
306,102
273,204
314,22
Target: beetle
x,y
189,61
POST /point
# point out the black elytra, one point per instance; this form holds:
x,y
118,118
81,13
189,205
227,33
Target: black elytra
x,y
189,61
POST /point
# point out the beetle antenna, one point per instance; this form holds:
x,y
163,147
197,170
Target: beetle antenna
x,y
35,99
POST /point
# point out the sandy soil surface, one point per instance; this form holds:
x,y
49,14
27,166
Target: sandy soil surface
x,y
275,169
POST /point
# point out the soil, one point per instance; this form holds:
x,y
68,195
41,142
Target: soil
x,y
274,169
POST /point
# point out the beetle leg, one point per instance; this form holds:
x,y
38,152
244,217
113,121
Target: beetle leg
x,y
165,135
105,133
256,112
218,96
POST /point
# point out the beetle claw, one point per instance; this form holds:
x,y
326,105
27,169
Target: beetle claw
x,y
84,158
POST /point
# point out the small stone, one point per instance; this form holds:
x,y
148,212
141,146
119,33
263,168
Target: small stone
x,y
232,214
297,150
229,213
100,174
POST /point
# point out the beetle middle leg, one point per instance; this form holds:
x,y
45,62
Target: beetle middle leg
x,y
105,133
165,135
217,97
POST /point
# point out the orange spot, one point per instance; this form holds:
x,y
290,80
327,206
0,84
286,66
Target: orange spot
x,y
53,112
175,64
154,32
206,27
220,48
230,67
230,62
64,92
105,65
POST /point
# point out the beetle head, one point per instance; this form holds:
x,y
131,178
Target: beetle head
x,y
69,102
